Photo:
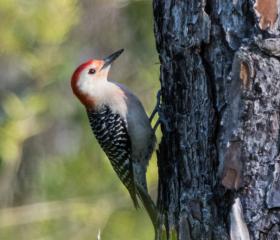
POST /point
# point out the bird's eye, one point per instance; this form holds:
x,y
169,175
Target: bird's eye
x,y
91,71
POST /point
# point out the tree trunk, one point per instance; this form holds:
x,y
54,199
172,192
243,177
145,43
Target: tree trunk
x,y
219,160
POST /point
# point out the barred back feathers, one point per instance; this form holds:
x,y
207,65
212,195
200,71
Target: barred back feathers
x,y
110,131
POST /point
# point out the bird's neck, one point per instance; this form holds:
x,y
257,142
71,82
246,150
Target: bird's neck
x,y
108,94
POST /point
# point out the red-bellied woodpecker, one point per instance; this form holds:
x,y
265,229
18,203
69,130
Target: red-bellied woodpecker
x,y
120,125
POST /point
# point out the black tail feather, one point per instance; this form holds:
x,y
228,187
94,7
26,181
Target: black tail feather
x,y
134,199
148,204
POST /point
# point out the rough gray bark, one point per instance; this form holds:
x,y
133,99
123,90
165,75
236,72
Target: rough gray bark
x,y
219,160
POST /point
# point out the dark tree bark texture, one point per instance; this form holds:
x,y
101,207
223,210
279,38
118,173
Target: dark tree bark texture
x,y
219,160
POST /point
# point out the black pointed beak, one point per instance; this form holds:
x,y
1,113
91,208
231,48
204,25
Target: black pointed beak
x,y
108,60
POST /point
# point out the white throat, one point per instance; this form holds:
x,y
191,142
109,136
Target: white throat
x,y
104,93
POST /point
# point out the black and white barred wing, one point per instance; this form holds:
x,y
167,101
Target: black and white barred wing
x,y
110,131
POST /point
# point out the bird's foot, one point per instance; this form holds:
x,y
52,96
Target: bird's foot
x,y
157,107
162,119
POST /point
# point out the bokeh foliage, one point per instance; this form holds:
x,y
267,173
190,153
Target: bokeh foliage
x,y
55,182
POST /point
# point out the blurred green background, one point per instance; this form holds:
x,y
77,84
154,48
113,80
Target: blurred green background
x,y
55,181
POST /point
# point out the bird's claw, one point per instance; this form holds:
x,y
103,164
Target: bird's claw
x,y
157,107
162,119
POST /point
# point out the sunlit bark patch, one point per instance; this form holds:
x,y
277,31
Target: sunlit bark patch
x,y
267,11
244,74
232,166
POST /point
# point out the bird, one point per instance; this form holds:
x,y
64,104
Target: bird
x,y
120,125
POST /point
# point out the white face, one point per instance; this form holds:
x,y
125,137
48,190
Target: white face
x,y
92,84
92,78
